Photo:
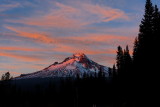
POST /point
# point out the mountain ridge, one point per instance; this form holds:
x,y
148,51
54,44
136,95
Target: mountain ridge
x,y
78,63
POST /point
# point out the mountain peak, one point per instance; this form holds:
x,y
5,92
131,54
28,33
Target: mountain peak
x,y
79,63
79,56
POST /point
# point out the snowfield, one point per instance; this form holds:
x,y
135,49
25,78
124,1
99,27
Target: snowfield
x,y
79,63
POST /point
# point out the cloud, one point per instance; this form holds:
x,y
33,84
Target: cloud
x,y
42,32
82,49
104,14
86,39
89,43
100,37
5,7
20,57
34,36
70,16
11,48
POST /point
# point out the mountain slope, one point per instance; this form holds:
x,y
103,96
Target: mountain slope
x,y
79,63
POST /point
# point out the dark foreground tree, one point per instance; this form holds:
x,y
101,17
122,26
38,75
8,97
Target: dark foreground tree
x,y
144,72
6,76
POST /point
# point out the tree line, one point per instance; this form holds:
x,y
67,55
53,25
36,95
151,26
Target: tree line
x,y
139,71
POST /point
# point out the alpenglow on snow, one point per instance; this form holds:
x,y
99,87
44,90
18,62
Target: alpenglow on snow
x,y
77,64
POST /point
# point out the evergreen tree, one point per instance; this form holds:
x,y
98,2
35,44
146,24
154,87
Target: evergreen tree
x,y
3,77
155,42
145,34
144,52
85,75
110,72
100,73
120,60
156,22
6,76
77,76
95,75
114,73
156,29
146,26
127,59
135,49
143,44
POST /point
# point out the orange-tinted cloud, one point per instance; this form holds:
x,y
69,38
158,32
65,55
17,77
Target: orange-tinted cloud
x,y
89,43
85,39
20,57
34,36
69,16
51,21
104,14
104,59
53,18
5,7
83,49
100,38
7,48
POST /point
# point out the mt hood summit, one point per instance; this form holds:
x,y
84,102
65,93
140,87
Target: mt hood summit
x,y
78,64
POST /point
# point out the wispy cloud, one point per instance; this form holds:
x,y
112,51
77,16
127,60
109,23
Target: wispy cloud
x,y
69,16
5,7
34,36
104,14
20,57
89,43
18,48
82,49
89,38
36,31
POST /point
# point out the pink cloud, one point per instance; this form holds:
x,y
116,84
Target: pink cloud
x,y
88,40
5,7
65,9
89,43
69,16
104,14
20,57
100,37
83,49
104,59
34,36
7,48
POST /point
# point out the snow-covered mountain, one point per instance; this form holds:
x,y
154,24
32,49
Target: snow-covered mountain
x,y
79,63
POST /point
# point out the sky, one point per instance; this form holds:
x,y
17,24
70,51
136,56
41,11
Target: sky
x,y
36,33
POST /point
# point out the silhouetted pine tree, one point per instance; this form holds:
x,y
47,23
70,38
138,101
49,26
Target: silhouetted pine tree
x,y
156,22
156,34
120,61
124,66
127,61
100,73
110,72
6,76
135,49
85,75
155,44
145,54
114,73
143,44
95,75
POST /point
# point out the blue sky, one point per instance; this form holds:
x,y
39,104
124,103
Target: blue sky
x,y
36,33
